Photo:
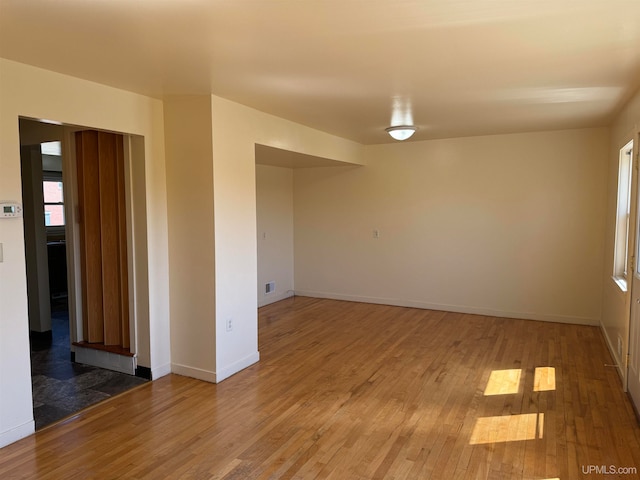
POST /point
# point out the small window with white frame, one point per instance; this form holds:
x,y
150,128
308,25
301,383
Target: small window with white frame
x,y
53,200
623,212
52,187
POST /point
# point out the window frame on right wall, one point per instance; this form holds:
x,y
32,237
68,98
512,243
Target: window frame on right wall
x,y
623,213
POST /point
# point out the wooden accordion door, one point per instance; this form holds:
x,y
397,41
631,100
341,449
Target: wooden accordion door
x,y
103,237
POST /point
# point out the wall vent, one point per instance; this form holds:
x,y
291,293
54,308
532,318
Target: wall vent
x,y
269,288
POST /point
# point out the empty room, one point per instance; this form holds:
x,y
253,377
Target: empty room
x,y
350,240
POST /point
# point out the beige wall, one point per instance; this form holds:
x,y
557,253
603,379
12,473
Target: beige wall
x,y
509,225
191,234
274,211
41,94
211,182
615,311
236,131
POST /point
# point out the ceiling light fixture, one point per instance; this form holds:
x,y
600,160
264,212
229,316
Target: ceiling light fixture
x,y
401,132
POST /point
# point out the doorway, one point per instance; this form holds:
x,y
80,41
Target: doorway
x,y
62,384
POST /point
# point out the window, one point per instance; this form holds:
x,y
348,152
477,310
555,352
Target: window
x,y
621,253
53,203
52,185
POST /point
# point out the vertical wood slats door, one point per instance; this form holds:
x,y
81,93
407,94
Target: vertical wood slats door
x,y
102,218
122,247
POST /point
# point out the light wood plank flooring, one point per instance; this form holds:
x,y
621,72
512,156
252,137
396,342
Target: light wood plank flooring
x,y
357,391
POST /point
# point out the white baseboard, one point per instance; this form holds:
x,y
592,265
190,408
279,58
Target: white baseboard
x,y
612,351
269,299
17,433
193,372
229,370
219,375
452,308
161,371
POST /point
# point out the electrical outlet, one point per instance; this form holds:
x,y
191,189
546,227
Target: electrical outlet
x,y
376,234
229,324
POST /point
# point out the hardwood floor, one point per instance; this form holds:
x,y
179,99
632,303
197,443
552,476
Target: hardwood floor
x,y
358,391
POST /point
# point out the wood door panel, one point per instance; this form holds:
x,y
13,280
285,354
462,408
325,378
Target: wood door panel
x,y
109,238
122,246
100,164
91,245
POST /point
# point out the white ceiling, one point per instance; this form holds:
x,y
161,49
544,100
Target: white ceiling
x,y
352,67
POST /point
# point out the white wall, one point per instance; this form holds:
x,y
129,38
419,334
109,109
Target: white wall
x,y
615,311
211,179
236,130
509,225
274,211
191,235
40,94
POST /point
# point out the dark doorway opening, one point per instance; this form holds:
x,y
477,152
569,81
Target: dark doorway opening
x,y
61,386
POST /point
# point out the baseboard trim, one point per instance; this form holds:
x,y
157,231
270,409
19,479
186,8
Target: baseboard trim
x,y
161,371
219,375
612,351
17,433
234,368
635,409
198,373
45,336
452,308
143,372
268,300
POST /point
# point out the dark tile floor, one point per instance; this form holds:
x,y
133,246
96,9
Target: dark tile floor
x,y
61,387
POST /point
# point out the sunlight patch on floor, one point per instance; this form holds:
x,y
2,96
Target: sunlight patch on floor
x,y
544,379
508,428
503,382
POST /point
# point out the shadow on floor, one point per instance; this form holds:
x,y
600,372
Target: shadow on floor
x,y
62,387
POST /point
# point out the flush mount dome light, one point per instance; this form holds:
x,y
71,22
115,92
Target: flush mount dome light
x,y
401,132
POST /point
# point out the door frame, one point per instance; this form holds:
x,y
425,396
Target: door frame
x,y
72,232
634,255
